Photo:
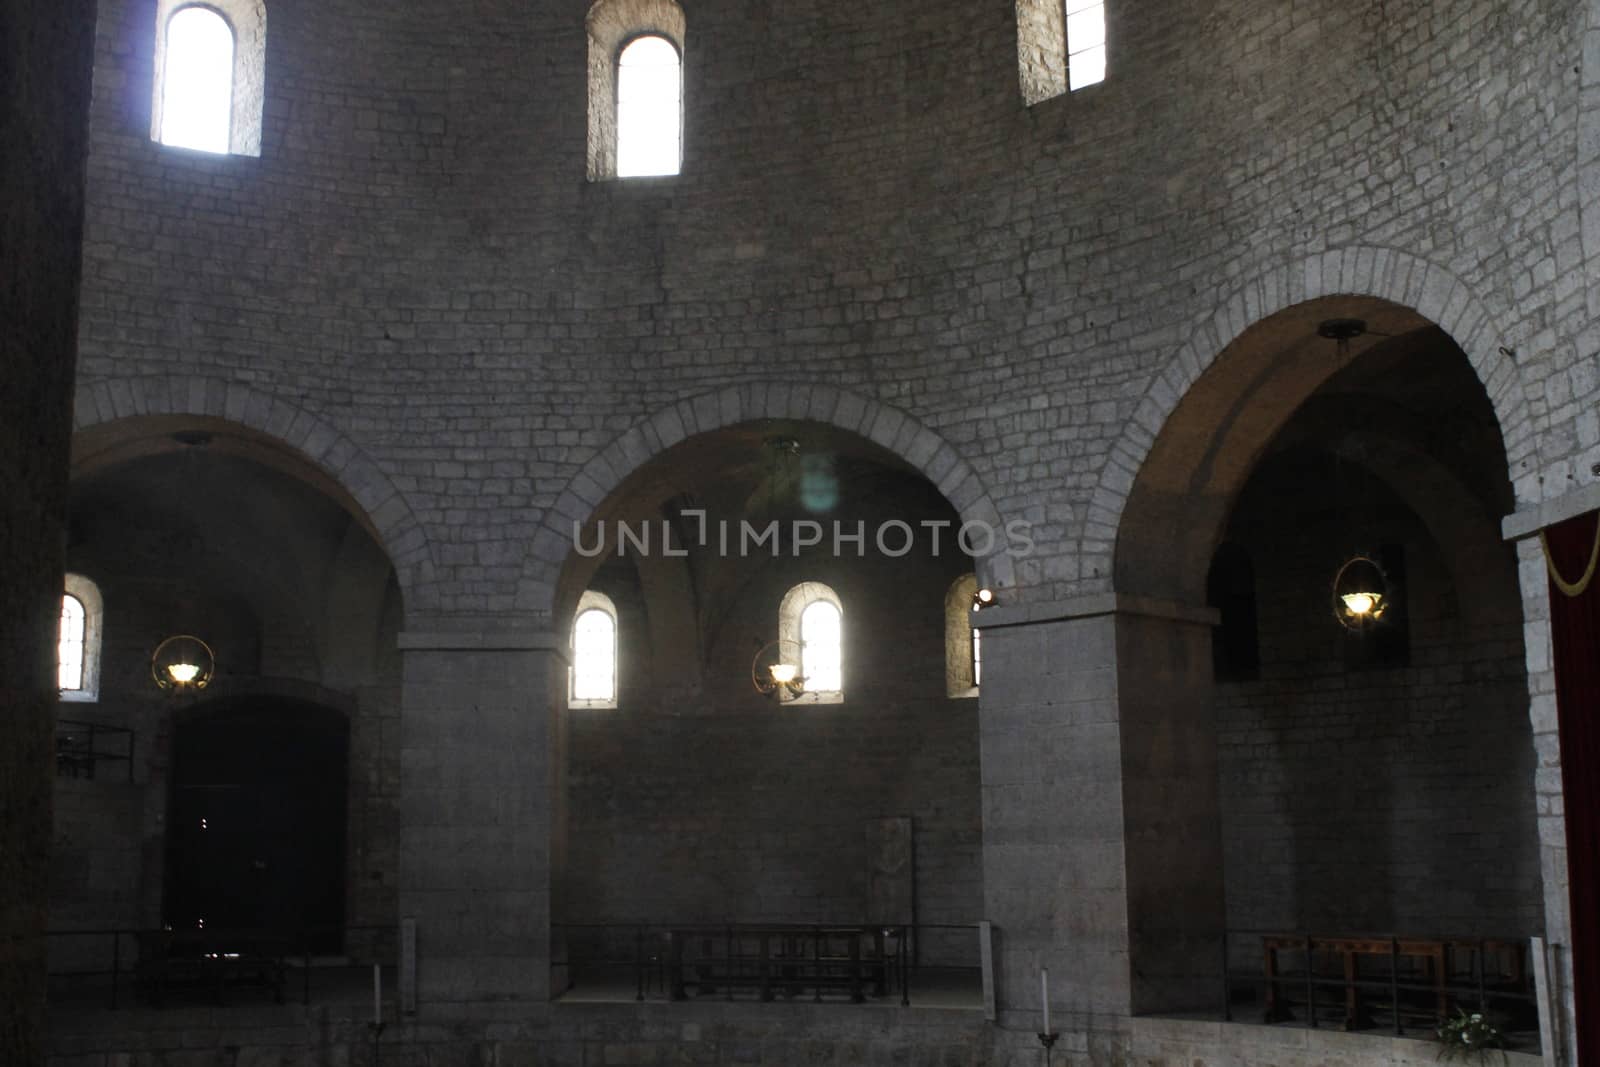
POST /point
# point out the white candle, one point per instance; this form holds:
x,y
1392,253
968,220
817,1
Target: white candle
x,y
377,995
1044,995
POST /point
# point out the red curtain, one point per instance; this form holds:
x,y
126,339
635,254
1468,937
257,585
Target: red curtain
x,y
1575,632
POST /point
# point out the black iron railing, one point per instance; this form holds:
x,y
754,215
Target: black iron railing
x,y
769,961
81,746
157,967
1387,982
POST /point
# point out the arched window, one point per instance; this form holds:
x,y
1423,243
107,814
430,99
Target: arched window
x,y
197,81
209,62
963,653
811,620
78,648
635,88
649,108
594,653
69,653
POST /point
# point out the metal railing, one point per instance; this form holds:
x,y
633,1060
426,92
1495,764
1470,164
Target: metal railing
x,y
1389,982
82,745
769,961
112,965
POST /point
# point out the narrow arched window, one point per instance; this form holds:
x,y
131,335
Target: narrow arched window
x,y
821,646
636,50
963,651
594,653
69,653
649,108
210,75
197,80
78,640
811,626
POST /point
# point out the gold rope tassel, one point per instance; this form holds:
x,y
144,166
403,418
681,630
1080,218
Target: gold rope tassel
x,y
1572,588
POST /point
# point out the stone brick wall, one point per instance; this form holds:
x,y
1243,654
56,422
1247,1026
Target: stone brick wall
x,y
698,800
940,234
415,285
1371,798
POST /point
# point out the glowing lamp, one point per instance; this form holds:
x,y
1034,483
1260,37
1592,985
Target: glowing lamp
x,y
772,673
182,663
1360,593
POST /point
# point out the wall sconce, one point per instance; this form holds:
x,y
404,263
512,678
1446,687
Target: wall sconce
x,y
771,671
182,663
982,598
1360,593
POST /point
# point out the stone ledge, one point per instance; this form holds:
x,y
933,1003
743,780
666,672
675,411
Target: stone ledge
x,y
1529,521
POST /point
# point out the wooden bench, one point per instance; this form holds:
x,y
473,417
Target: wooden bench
x,y
1436,955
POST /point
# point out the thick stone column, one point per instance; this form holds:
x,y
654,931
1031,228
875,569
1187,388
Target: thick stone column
x,y
48,52
1172,822
1102,853
1053,870
478,772
1523,527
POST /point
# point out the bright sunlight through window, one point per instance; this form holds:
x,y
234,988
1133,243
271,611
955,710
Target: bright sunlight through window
x,y
69,654
649,109
821,641
594,654
1086,43
197,83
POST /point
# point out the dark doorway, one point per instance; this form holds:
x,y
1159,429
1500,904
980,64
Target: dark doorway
x,y
256,828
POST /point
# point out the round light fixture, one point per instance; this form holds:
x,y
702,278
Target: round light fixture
x,y
1360,593
773,672
182,663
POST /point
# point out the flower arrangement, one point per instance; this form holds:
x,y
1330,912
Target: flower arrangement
x,y
1469,1035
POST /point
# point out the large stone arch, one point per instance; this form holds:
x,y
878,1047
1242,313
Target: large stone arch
x,y
889,427
351,473
1408,281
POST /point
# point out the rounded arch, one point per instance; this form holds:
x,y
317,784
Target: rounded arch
x,y
117,419
886,426
254,691
1382,279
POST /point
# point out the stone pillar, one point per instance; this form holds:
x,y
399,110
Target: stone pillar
x,y
44,104
1550,797
1172,820
1102,848
1053,871
478,775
